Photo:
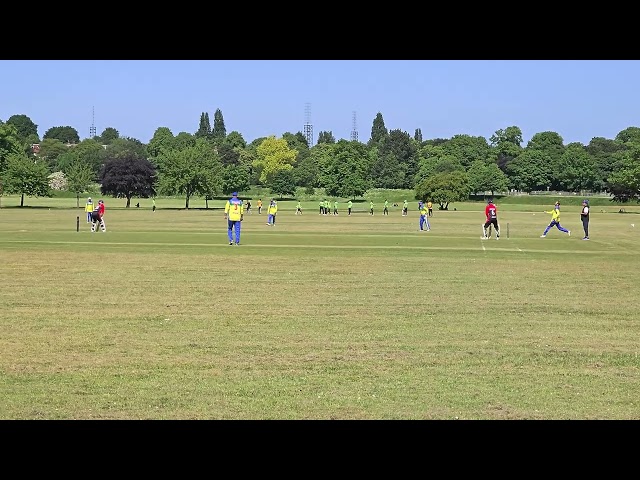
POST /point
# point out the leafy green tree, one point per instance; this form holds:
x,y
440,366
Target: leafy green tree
x,y
301,141
378,131
507,145
228,154
9,143
429,156
467,149
529,171
162,139
184,140
603,151
477,173
624,182
448,164
624,185
27,130
108,135
508,140
577,169
193,171
444,188
235,178
50,150
326,137
273,155
297,142
435,142
403,151
247,157
283,183
24,176
88,151
417,136
346,172
236,140
80,176
219,131
64,160
552,146
253,146
307,171
204,128
485,177
387,172
64,134
496,179
251,154
127,175
629,135
127,147
549,142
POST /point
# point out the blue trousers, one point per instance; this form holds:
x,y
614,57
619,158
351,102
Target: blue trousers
x,y
424,221
556,224
234,225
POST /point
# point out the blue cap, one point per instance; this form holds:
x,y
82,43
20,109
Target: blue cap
x,y
234,194
585,201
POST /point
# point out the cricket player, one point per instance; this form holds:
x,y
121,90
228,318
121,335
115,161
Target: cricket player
x,y
555,221
491,220
96,218
88,208
424,218
271,211
584,217
234,214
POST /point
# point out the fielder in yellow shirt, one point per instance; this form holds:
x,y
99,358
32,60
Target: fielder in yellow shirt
x,y
234,214
88,208
272,210
555,221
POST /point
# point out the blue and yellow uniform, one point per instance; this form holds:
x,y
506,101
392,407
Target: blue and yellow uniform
x,y
234,214
555,221
424,218
88,208
272,210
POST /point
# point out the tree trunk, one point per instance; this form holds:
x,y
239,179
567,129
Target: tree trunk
x,y
22,200
128,202
186,203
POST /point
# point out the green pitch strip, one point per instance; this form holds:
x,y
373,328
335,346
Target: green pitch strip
x,y
484,245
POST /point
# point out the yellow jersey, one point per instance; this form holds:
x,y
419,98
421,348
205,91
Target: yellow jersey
x,y
234,209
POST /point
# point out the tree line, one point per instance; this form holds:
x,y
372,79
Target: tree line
x,y
210,162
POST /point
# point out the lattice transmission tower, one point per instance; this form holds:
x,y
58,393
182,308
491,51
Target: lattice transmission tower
x,y
308,128
92,128
354,128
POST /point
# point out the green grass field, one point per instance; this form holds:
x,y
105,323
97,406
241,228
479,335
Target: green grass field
x,y
319,317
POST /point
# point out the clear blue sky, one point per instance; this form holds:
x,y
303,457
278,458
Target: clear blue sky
x,y
579,99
